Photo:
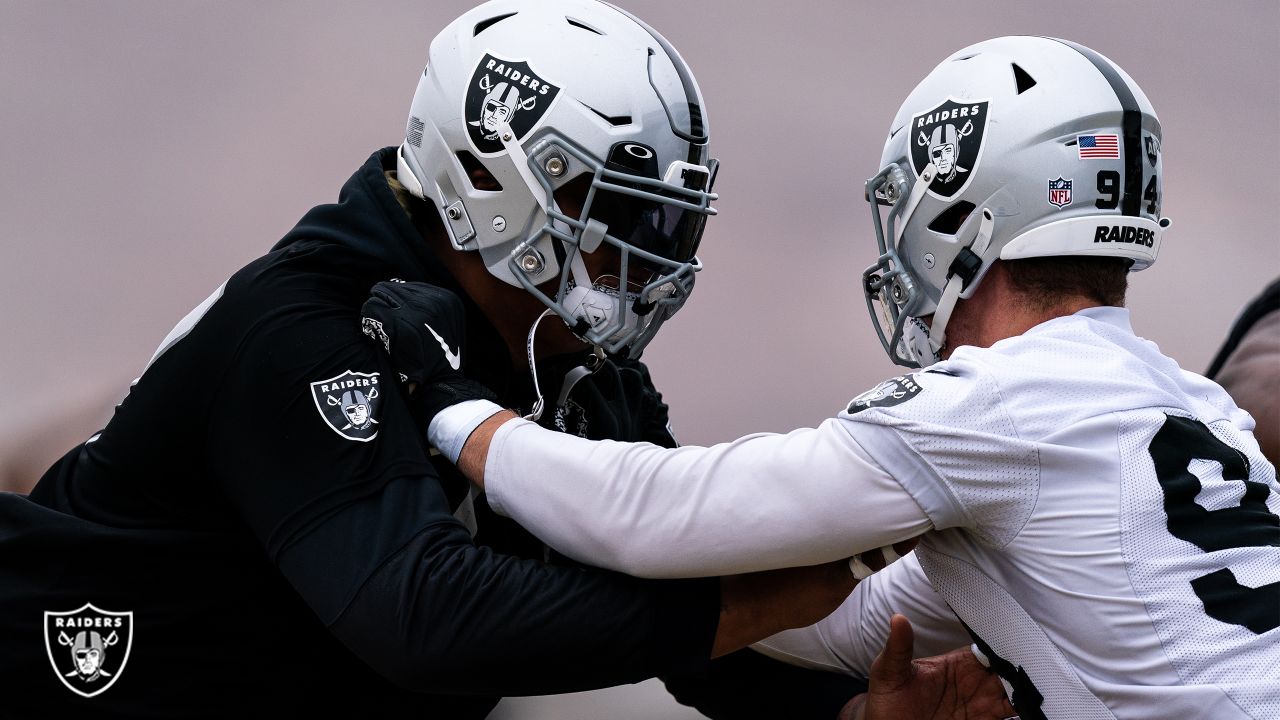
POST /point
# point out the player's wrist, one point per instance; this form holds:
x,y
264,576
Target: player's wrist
x,y
449,429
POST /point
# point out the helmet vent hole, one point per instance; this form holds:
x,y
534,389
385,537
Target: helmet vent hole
x,y
478,174
614,120
584,26
486,24
950,220
1020,77
414,132
966,57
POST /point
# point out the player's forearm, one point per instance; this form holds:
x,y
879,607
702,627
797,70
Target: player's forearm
x,y
759,503
757,605
848,639
476,450
442,615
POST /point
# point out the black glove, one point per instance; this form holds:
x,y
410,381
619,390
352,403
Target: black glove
x,y
419,325
421,328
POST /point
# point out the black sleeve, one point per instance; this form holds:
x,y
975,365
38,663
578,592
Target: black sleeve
x,y
346,504
746,684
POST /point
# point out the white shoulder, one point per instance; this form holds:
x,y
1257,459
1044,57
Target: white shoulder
x,y
949,435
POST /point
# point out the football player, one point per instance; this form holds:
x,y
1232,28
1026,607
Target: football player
x,y
262,504
1098,521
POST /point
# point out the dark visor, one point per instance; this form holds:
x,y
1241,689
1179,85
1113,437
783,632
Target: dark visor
x,y
653,226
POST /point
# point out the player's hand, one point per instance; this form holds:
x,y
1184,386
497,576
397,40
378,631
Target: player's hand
x,y
419,325
954,686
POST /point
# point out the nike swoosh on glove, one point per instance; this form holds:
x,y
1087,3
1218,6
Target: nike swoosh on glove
x,y
419,325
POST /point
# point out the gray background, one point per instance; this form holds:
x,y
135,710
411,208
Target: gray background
x,y
150,148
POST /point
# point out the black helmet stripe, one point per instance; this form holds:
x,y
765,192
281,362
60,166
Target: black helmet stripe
x,y
1131,124
697,134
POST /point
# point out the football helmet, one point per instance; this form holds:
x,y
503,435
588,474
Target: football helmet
x,y
1016,147
532,95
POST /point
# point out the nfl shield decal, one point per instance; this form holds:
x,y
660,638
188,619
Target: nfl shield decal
x,y
349,404
504,91
893,391
1060,192
950,136
88,647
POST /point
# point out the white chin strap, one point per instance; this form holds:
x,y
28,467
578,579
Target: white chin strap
x,y
937,335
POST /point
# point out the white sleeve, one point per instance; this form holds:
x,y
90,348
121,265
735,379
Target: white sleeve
x,y
758,503
848,639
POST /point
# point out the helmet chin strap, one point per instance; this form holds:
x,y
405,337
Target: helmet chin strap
x,y
570,379
955,285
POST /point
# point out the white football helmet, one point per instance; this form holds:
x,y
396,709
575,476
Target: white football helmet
x,y
1016,147
540,93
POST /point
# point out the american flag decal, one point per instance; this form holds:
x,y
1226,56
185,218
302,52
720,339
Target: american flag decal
x,y
1098,147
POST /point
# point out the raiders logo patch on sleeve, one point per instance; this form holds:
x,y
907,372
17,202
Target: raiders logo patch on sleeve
x,y
88,647
349,404
893,391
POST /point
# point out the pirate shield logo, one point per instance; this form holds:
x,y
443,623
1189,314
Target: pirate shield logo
x,y
349,404
504,92
893,391
950,136
88,647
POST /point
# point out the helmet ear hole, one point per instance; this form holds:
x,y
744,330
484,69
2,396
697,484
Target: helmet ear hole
x,y
477,173
948,221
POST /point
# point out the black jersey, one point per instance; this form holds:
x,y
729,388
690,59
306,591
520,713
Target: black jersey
x,y
260,529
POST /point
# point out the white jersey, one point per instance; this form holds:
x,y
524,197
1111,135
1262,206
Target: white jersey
x,y
1103,522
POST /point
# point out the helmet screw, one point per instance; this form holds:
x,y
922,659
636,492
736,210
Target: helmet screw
x,y
453,212
891,193
928,260
506,137
499,223
555,166
530,262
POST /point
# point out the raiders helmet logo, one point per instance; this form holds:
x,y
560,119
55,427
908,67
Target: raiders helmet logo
x,y
349,404
504,91
88,647
893,391
950,136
